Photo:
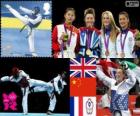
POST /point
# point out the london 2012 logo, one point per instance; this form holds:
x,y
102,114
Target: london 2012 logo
x,y
10,101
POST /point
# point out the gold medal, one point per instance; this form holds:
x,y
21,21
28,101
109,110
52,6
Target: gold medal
x,y
107,53
65,37
88,52
122,55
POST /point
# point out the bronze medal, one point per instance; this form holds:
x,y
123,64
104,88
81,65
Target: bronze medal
x,y
122,55
107,53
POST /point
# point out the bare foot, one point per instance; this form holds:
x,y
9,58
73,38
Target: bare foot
x,y
7,6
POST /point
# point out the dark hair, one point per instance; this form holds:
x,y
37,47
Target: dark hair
x,y
36,9
126,15
89,11
15,71
69,9
63,72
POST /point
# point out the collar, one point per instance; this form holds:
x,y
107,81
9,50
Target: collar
x,y
87,28
107,30
124,31
68,26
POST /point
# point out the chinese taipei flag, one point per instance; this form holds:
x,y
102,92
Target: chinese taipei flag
x,y
83,87
82,106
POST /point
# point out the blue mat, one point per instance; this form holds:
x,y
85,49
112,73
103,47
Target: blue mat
x,y
14,43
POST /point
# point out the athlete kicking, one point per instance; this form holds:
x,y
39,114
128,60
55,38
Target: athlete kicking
x,y
31,20
29,85
56,85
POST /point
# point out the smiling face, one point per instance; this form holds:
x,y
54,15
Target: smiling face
x,y
89,20
123,21
69,16
106,20
120,75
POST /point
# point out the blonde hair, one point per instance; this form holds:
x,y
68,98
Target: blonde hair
x,y
114,29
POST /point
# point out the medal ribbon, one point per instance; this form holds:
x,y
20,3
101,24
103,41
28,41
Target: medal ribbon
x,y
122,41
68,42
106,42
62,49
69,39
89,34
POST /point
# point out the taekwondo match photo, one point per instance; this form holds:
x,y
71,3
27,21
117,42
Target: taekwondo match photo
x,y
34,87
26,28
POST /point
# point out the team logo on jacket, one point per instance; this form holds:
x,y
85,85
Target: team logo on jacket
x,y
130,38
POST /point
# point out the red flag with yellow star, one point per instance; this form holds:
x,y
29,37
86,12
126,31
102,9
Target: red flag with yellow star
x,y
82,86
83,77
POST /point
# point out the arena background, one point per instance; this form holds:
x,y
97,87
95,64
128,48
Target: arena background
x,y
42,69
115,6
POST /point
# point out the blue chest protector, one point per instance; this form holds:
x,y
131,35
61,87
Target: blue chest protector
x,y
118,101
33,16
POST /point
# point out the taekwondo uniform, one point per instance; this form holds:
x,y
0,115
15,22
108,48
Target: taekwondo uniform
x,y
106,44
22,80
120,92
125,44
55,85
89,42
65,49
31,21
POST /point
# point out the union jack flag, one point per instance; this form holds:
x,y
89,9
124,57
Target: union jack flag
x,y
83,67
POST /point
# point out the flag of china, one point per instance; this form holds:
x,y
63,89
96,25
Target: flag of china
x,y
82,86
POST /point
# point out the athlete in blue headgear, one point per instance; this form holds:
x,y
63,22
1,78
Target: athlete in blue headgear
x,y
31,21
